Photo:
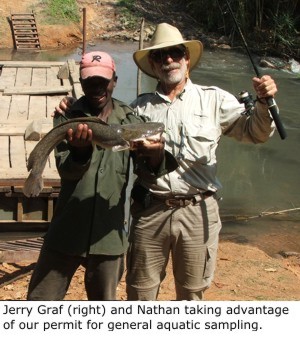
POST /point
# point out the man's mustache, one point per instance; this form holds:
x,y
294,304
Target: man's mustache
x,y
172,66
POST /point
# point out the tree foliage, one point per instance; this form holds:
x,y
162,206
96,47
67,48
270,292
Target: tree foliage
x,y
269,26
274,24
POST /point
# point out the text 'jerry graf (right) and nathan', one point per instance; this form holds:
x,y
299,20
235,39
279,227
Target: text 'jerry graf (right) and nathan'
x,y
142,309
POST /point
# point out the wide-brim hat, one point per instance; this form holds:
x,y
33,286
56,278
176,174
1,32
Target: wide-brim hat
x,y
165,36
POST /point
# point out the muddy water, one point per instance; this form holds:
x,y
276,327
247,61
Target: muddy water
x,y
256,179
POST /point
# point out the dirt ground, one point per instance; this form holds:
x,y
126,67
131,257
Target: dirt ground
x,y
102,18
243,272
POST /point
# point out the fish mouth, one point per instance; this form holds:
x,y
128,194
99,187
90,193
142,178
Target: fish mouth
x,y
151,138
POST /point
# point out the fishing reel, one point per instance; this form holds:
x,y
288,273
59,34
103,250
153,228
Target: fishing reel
x,y
246,98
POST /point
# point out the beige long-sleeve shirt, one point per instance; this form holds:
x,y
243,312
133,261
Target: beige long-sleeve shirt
x,y
194,123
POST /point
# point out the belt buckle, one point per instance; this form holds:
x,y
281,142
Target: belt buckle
x,y
177,202
170,202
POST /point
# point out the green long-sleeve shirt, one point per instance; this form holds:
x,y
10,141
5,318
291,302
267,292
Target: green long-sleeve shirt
x,y
89,214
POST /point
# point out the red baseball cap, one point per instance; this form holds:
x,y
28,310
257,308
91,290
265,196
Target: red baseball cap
x,y
97,63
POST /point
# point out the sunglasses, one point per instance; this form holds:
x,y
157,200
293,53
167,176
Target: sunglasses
x,y
175,53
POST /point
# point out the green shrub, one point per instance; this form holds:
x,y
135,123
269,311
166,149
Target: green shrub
x,y
63,10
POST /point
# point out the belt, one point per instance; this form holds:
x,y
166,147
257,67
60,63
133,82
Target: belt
x,y
181,201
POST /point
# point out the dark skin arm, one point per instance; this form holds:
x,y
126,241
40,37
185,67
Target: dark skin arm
x,y
81,138
81,142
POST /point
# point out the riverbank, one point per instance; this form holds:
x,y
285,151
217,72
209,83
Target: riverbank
x,y
243,273
104,21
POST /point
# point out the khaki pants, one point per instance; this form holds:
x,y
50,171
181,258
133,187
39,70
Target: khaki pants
x,y
190,233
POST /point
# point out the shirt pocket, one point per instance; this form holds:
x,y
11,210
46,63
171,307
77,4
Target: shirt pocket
x,y
122,162
200,141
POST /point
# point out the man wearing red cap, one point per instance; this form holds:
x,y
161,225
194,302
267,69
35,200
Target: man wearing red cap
x,y
88,225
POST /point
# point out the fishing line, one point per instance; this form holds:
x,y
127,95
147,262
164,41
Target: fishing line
x,y
272,106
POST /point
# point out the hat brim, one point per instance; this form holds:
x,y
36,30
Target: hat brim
x,y
104,72
141,57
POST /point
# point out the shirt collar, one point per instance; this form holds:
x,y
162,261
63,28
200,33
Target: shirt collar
x,y
186,88
80,108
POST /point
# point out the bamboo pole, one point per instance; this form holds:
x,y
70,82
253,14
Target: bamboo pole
x,y
141,44
84,31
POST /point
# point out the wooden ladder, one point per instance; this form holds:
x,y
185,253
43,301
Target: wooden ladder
x,y
25,31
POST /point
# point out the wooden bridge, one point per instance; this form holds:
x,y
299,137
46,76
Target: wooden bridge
x,y
29,92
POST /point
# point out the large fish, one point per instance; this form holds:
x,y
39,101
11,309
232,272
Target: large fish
x,y
112,136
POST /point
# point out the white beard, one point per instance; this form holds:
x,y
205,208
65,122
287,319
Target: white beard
x,y
175,76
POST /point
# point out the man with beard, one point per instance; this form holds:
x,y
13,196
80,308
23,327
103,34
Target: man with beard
x,y
177,214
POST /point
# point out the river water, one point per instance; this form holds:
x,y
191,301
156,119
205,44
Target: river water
x,y
256,178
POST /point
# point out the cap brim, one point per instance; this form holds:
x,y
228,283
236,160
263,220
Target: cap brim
x,y
96,71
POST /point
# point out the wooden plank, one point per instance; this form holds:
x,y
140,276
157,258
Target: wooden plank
x,y
77,90
32,64
8,76
50,209
73,71
12,256
52,102
29,146
51,184
37,107
5,102
52,79
34,130
17,153
20,210
19,108
50,170
28,90
20,250
39,77
23,77
17,128
4,152
16,177
51,166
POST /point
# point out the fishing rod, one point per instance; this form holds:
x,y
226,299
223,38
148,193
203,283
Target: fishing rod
x,y
272,106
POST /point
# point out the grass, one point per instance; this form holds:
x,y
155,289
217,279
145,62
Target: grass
x,y
61,11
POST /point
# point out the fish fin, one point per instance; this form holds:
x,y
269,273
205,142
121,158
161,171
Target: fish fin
x,y
33,186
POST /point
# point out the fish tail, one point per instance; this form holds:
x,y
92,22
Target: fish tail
x,y
33,185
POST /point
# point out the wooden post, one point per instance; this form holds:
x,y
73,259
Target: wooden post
x,y
84,31
141,43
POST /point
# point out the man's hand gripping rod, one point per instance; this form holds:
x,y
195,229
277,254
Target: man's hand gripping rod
x,y
272,106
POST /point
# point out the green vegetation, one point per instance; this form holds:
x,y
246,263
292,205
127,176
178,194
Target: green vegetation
x,y
268,25
61,10
128,16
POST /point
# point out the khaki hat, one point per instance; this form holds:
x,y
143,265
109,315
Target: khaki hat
x,y
164,36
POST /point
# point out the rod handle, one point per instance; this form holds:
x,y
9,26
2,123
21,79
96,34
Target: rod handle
x,y
273,108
